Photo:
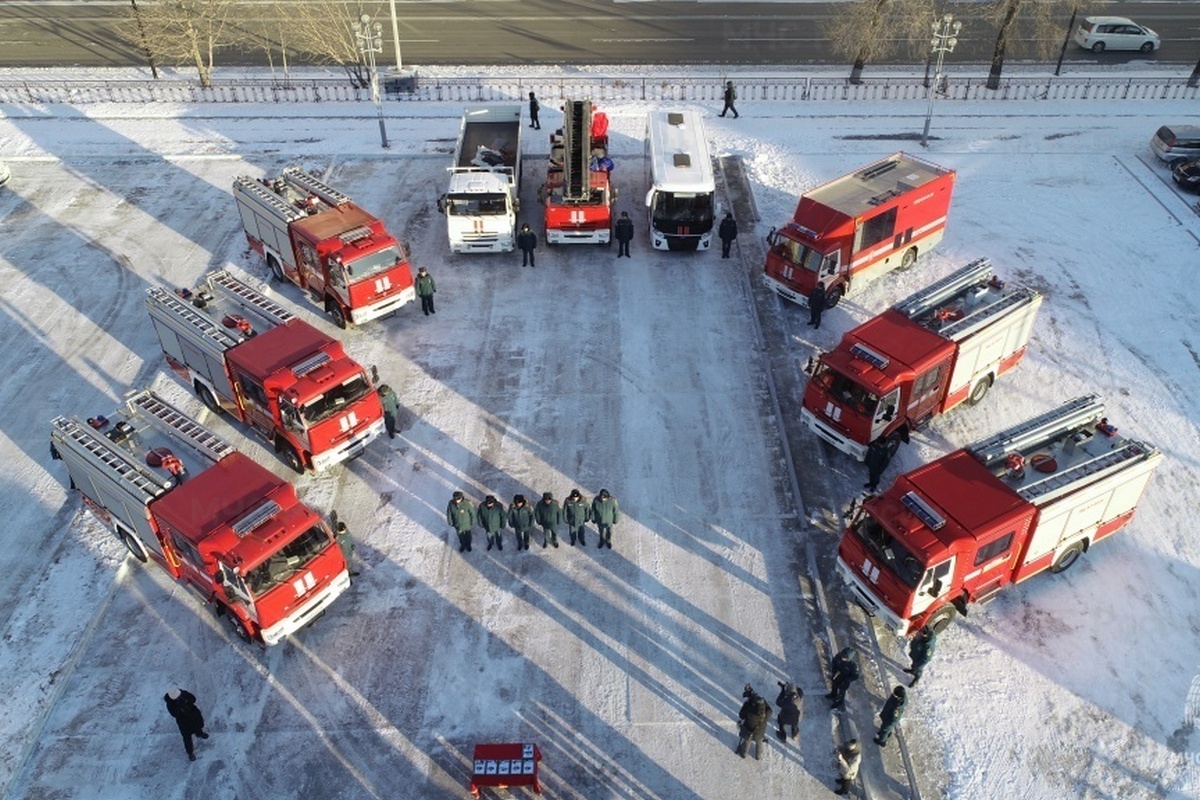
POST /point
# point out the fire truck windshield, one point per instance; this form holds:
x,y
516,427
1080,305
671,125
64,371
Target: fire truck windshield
x,y
888,550
335,399
476,205
693,208
365,267
846,391
290,559
804,256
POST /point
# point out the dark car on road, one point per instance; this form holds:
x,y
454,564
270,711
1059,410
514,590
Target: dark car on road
x,y
1187,175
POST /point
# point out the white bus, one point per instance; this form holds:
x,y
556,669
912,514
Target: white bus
x,y
682,195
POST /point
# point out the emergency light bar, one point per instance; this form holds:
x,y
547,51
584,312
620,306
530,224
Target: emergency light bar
x,y
255,518
923,511
306,366
870,356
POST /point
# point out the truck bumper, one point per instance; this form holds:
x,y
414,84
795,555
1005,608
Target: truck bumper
x,y
384,307
784,291
554,236
853,449
351,448
867,600
484,246
308,612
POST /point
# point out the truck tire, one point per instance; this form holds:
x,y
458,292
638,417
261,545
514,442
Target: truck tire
x,y
206,396
979,391
1067,558
275,268
834,296
132,544
910,258
234,624
941,619
290,456
335,312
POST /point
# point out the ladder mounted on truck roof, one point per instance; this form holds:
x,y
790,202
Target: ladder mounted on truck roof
x,y
932,296
1036,432
219,286
248,298
1045,489
180,425
267,197
97,450
311,184
577,149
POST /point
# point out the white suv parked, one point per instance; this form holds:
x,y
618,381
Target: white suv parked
x,y
1115,33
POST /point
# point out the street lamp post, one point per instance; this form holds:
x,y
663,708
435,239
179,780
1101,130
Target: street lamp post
x,y
943,41
370,42
396,37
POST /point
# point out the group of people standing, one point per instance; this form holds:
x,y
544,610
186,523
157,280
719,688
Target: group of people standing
x,y
547,514
756,713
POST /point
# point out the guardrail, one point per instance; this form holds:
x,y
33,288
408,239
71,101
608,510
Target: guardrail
x,y
659,88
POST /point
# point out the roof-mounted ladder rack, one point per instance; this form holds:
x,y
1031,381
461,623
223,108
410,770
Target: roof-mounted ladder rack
x,y
1069,416
311,184
952,285
201,439
203,325
248,298
125,469
1040,489
267,197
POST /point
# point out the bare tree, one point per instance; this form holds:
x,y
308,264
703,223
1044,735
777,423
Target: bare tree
x,y
869,30
323,30
185,32
1044,23
142,40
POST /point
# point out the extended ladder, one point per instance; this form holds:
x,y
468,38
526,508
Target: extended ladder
x,y
179,425
577,149
1070,416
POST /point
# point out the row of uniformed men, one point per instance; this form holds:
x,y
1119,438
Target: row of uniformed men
x,y
493,517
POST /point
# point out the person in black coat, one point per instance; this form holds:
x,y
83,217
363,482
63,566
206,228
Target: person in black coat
x,y
790,700
534,107
181,705
920,650
879,455
624,233
892,711
843,671
527,242
730,97
816,305
728,232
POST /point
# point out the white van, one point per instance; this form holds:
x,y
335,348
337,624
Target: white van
x,y
1115,33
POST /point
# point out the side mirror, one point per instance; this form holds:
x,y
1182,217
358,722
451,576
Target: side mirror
x,y
374,374
935,588
441,204
889,413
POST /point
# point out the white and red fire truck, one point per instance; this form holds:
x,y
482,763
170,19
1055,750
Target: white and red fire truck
x,y
577,194
245,354
316,237
176,493
856,228
960,529
942,346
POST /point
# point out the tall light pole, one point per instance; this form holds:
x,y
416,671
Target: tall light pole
x,y
396,36
943,41
370,42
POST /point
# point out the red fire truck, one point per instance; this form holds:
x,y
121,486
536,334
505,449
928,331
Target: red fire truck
x,y
245,354
577,194
942,346
858,227
960,529
176,493
317,238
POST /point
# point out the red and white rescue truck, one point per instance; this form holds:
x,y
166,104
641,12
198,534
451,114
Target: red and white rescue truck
x,y
577,194
854,229
173,491
245,354
958,530
317,238
942,346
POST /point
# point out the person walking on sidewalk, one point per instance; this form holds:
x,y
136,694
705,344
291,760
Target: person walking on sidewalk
x,y
527,242
727,231
730,97
548,514
890,716
181,704
605,513
491,518
624,234
534,108
843,671
426,288
577,511
460,515
520,519
391,408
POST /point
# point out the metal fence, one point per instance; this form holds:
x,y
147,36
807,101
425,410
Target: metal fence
x,y
654,89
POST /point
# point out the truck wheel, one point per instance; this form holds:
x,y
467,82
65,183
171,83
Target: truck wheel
x,y
292,458
132,544
206,397
1067,557
275,268
979,391
835,295
941,619
234,624
910,258
335,313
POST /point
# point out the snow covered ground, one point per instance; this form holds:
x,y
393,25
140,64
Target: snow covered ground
x,y
645,376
